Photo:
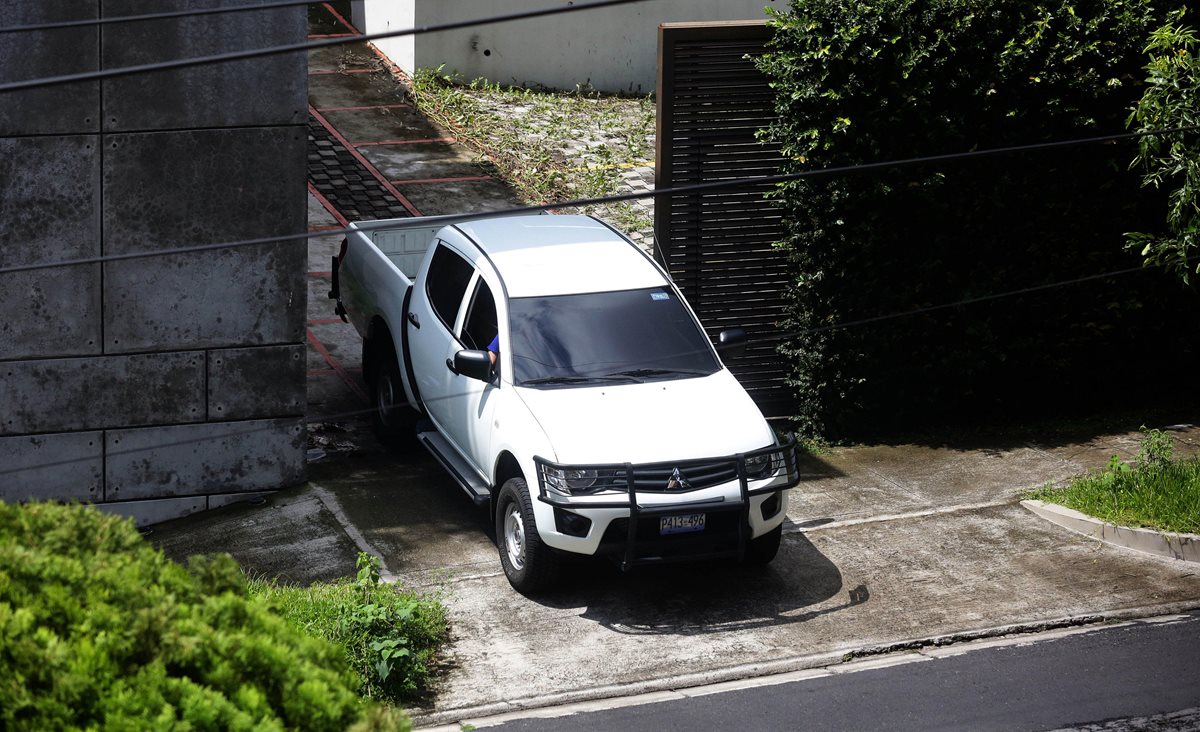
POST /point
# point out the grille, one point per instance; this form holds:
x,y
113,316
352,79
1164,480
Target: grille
x,y
697,476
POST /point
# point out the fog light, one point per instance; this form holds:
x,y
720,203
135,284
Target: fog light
x,y
770,507
571,524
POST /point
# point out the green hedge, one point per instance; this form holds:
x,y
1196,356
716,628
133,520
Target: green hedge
x,y
892,79
98,629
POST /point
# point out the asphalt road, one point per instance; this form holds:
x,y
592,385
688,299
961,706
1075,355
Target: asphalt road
x,y
1139,676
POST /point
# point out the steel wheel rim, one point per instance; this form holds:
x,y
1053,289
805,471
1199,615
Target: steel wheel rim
x,y
385,399
514,537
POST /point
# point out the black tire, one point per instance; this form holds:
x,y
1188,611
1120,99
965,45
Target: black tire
x,y
763,549
392,418
530,565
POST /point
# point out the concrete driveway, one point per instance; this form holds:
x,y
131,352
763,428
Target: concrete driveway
x,y
886,546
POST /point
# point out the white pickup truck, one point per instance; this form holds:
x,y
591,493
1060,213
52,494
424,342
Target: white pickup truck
x,y
558,375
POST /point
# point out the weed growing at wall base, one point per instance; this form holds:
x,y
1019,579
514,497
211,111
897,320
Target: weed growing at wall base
x,y
389,636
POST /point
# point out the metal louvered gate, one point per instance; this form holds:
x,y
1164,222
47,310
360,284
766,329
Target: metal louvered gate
x,y
718,245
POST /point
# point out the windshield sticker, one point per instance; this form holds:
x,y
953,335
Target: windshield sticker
x,y
659,296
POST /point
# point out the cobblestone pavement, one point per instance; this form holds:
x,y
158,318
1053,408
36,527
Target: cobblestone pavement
x,y
345,182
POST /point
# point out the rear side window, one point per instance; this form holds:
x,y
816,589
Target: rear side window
x,y
446,283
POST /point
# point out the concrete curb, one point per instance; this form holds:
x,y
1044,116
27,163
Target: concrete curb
x,y
817,664
1148,541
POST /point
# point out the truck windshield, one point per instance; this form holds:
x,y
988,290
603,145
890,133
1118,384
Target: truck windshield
x,y
628,336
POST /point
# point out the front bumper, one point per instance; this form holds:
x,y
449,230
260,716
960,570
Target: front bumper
x,y
624,519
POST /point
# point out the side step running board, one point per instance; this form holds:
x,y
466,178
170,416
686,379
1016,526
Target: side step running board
x,y
458,469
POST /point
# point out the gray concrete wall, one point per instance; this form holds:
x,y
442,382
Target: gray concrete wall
x,y
153,387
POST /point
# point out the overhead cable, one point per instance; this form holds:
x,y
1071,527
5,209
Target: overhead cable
x,y
615,198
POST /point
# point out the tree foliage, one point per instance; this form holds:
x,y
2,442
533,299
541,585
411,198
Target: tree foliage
x,y
98,629
1171,161
861,82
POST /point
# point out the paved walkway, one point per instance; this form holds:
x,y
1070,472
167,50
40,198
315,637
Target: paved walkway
x,y
371,156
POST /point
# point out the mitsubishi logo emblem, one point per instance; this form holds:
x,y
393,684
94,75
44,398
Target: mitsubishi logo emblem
x,y
677,482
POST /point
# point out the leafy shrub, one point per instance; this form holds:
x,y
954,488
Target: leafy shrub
x,y
864,82
389,636
98,629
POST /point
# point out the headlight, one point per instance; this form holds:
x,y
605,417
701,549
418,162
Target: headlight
x,y
569,481
578,479
759,466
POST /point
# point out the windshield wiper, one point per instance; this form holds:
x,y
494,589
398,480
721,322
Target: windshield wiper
x,y
556,380
576,379
635,373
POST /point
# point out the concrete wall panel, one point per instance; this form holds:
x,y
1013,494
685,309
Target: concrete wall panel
x,y
244,383
612,49
39,54
59,467
59,395
262,91
165,190
207,458
50,199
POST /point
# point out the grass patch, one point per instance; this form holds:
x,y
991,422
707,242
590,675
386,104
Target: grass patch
x,y
550,146
389,636
1156,491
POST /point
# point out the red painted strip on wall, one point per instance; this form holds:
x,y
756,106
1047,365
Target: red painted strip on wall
x,y
441,180
319,274
336,365
400,105
340,19
366,163
327,205
325,227
327,72
404,142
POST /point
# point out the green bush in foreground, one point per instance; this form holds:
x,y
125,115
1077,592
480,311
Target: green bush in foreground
x,y
98,629
389,635
1156,491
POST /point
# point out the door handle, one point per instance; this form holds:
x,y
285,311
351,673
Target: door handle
x,y
412,318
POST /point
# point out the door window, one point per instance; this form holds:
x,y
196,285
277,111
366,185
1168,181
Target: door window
x,y
480,326
446,283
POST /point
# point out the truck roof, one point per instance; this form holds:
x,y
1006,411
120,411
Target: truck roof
x,y
540,256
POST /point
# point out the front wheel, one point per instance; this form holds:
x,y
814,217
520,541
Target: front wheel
x,y
528,564
764,548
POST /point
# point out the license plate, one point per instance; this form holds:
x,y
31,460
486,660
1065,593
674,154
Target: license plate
x,y
681,524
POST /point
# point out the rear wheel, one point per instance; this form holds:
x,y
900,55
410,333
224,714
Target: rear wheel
x,y
392,418
763,549
528,564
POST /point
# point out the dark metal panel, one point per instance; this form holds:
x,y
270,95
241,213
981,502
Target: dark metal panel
x,y
719,245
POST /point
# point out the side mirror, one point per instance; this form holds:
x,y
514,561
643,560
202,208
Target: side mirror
x,y
732,342
473,365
